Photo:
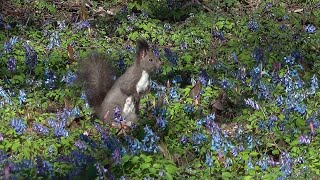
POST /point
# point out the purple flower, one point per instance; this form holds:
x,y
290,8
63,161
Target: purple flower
x,y
116,156
82,24
80,144
183,139
304,139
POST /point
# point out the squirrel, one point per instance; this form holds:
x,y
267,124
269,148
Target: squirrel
x,y
105,93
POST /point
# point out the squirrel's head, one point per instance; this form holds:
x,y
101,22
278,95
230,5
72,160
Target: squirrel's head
x,y
146,58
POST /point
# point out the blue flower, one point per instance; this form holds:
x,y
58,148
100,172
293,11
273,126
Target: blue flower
x,y
285,164
31,56
156,51
219,35
310,28
50,79
161,122
209,160
253,26
149,141
203,77
234,57
41,129
18,125
249,163
167,27
174,94
12,64
189,108
258,55
290,60
171,56
69,78
183,45
176,79
252,103
121,65
8,46
54,40
22,96
60,131
198,138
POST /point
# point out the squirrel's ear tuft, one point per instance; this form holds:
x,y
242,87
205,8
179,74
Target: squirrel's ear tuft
x,y
143,48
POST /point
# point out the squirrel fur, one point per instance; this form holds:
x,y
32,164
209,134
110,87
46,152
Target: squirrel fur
x,y
104,92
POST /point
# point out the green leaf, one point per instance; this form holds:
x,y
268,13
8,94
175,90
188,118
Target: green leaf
x,y
135,159
148,159
226,175
169,176
157,166
15,146
145,165
125,158
152,170
171,169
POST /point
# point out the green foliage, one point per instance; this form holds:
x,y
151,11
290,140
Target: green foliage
x,y
222,38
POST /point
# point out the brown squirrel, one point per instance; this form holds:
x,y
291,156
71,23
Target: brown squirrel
x,y
104,92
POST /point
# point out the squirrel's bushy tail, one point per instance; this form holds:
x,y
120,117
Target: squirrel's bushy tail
x,y
97,77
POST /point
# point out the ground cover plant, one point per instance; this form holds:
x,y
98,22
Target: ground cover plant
x,y
237,95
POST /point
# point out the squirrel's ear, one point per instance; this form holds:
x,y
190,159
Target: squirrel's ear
x,y
143,48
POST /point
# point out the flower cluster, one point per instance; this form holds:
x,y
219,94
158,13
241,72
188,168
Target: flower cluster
x,y
54,40
41,129
18,125
31,56
12,64
69,78
8,46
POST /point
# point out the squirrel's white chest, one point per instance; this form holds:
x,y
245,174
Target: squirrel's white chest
x,y
143,82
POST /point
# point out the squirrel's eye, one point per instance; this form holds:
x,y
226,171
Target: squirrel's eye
x,y
150,60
